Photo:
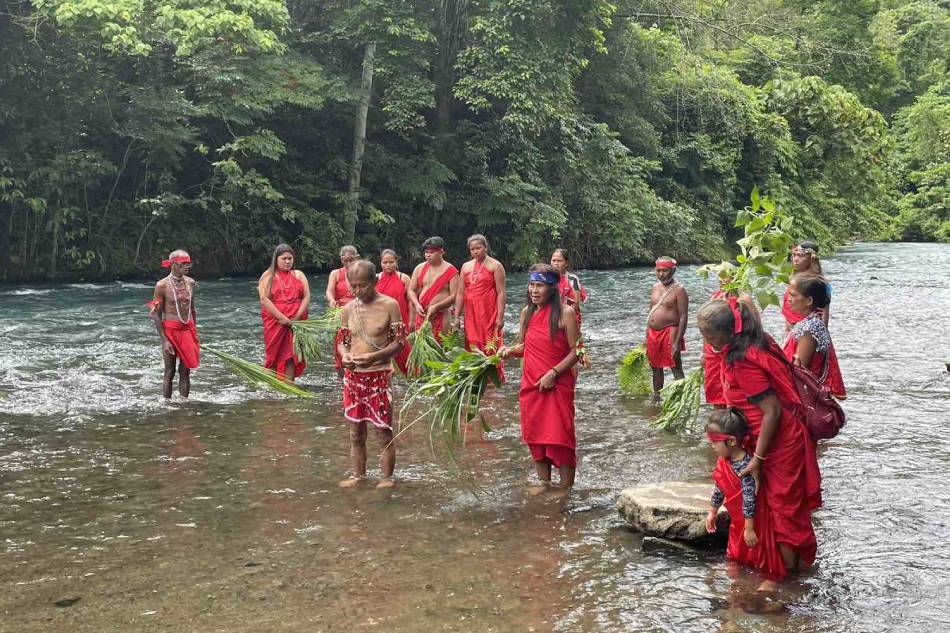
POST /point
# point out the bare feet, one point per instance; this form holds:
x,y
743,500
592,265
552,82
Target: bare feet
x,y
386,482
535,490
350,482
768,586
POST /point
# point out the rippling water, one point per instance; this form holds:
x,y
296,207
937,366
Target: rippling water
x,y
223,513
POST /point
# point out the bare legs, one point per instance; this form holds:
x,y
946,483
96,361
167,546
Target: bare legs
x,y
387,458
658,376
566,472
168,377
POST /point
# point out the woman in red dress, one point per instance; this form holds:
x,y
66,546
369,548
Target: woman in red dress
x,y
393,283
756,381
809,343
548,344
570,287
338,289
285,296
805,260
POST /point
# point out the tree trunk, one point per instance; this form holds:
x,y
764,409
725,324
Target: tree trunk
x,y
451,19
351,211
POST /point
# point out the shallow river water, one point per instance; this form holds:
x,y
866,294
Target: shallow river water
x,y
223,513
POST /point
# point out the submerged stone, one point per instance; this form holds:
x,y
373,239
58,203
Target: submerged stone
x,y
672,510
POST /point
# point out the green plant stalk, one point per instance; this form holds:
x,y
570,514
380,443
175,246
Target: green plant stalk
x,y
424,348
257,375
681,400
633,373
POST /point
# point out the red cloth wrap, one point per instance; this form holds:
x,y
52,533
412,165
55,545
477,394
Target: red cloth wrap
x,y
791,317
791,480
481,312
341,291
429,295
368,398
286,293
712,376
569,295
660,346
392,285
547,418
833,379
765,556
184,338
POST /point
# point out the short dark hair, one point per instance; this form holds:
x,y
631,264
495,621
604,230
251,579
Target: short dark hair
x,y
433,242
730,421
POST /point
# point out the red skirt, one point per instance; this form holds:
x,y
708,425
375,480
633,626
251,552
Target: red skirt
x,y
184,338
368,398
660,347
713,377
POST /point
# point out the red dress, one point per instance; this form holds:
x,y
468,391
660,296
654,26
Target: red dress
x,y
392,285
547,418
341,291
429,295
286,293
791,481
569,295
481,312
829,372
713,379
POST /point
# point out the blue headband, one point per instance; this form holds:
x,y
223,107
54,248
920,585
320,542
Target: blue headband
x,y
550,279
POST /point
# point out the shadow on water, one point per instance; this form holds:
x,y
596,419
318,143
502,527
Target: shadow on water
x,y
224,513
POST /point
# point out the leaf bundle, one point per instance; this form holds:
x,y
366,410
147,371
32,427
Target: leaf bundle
x,y
313,338
633,373
681,400
452,390
424,350
257,375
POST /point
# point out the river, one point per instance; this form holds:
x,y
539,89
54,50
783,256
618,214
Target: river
x,y
224,514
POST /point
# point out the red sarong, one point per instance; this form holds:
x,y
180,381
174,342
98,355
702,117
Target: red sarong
x,y
547,418
368,398
429,295
341,291
765,556
660,346
832,376
286,293
184,338
481,313
791,480
392,285
712,375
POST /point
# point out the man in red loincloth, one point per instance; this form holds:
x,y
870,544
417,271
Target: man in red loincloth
x,y
481,297
433,287
172,309
372,333
666,323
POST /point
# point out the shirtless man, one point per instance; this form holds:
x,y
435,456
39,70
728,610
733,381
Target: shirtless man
x,y
666,323
433,287
481,297
172,309
372,333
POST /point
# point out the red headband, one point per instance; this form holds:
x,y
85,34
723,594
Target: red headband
x,y
177,259
736,314
665,263
718,437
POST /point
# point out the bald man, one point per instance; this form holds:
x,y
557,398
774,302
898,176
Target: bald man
x,y
172,309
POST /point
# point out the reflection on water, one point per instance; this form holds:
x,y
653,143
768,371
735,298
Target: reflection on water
x,y
223,513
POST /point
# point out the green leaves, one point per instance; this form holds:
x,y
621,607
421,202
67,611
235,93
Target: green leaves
x,y
633,373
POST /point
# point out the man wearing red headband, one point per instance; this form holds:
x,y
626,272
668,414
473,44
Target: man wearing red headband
x,y
433,287
666,323
172,309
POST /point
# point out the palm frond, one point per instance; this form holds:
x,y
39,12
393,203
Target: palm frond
x,y
257,375
681,400
424,349
633,373
314,338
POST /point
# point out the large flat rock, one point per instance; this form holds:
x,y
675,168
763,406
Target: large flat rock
x,y
672,510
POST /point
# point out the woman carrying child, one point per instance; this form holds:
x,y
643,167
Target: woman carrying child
x,y
808,343
757,381
751,534
548,343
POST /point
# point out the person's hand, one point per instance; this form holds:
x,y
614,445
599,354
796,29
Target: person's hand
x,y
332,303
711,520
754,468
168,348
796,360
284,320
751,538
361,360
504,352
346,360
546,382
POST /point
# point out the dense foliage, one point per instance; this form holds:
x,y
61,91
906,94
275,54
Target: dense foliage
x,y
619,131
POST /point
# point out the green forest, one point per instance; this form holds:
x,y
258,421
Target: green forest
x,y
619,131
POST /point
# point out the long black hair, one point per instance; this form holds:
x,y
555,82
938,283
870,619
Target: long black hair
x,y
279,250
717,315
814,287
554,300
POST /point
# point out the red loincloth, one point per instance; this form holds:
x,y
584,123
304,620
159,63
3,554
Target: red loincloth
x,y
429,295
286,293
368,398
481,312
832,377
765,556
547,418
660,346
184,338
392,285
791,480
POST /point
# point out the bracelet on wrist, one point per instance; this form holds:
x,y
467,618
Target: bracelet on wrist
x,y
758,457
